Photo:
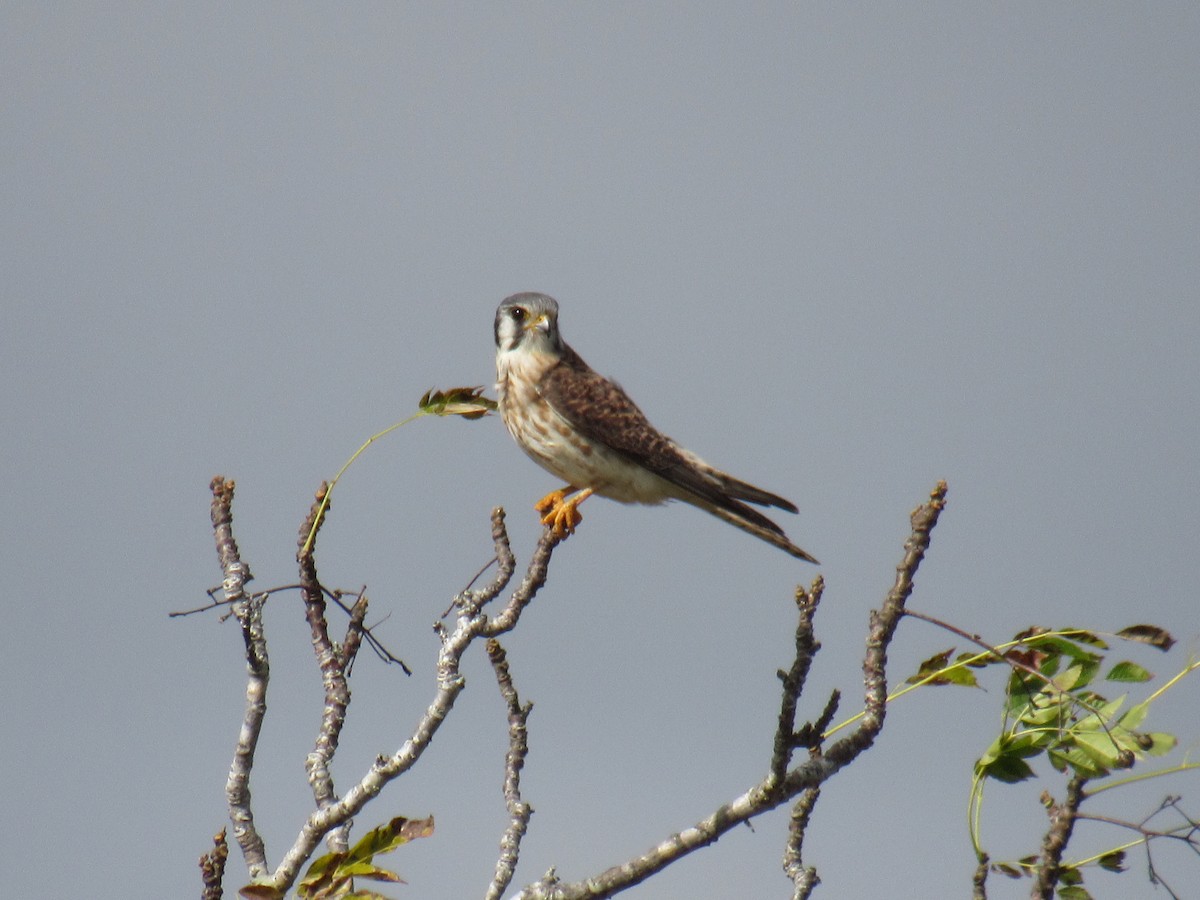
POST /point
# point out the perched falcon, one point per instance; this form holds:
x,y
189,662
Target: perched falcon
x,y
584,429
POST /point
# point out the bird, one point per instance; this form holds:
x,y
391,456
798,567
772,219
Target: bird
x,y
584,429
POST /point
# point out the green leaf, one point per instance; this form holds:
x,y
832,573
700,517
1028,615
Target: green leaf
x,y
369,871
1113,862
1100,716
1148,634
1128,671
1129,740
1008,768
937,670
1069,875
387,838
1007,869
1083,636
1028,743
1068,679
1090,669
1077,760
332,875
1135,715
1053,643
1099,746
975,661
1047,712
1160,743
1073,892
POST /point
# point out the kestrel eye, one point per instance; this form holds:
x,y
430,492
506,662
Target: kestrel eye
x,y
517,314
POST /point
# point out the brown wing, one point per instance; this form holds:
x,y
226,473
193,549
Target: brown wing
x,y
602,411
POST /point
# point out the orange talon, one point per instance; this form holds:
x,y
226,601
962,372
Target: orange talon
x,y
564,516
552,501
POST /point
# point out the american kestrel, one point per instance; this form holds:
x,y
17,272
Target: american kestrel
x,y
584,429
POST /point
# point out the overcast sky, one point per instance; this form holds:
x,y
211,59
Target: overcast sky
x,y
841,252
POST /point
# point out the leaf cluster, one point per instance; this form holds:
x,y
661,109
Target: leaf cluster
x,y
331,877
1053,708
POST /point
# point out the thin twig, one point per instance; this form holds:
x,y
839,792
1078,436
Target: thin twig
x,y
793,679
535,577
334,596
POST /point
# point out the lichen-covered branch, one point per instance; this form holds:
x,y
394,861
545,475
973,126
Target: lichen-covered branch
x,y
248,610
514,760
1058,835
212,867
332,662
804,878
786,736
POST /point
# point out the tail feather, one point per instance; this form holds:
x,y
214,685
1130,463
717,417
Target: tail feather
x,y
753,522
741,490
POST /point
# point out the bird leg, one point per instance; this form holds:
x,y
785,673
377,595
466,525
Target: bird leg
x,y
562,515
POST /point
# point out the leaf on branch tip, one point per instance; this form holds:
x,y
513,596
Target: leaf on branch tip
x,y
1113,862
1158,743
1073,892
937,671
1148,634
467,402
1078,761
1069,875
1082,636
1008,768
1100,748
1010,870
1128,671
387,838
332,875
1027,657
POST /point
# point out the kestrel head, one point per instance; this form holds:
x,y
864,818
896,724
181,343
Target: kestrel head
x,y
528,322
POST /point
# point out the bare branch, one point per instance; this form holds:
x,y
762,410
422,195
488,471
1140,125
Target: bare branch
x,y
979,880
807,776
514,760
333,671
535,577
793,680
258,672
883,626
1062,822
1187,833
470,624
804,878
212,867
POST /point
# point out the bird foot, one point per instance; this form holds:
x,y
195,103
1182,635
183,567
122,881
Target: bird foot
x,y
559,515
553,500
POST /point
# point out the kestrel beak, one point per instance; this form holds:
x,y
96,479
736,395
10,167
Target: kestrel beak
x,y
541,323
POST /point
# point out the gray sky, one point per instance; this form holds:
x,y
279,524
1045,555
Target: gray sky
x,y
840,252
